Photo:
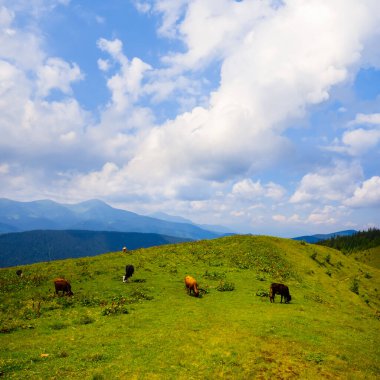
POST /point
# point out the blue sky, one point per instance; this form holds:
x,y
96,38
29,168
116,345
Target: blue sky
x,y
262,116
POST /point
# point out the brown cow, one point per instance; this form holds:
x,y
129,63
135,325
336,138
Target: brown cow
x,y
62,285
281,289
191,285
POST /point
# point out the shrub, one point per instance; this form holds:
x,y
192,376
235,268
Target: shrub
x,y
314,256
355,286
214,275
315,357
86,320
262,293
226,286
117,307
328,259
58,326
139,295
260,277
329,273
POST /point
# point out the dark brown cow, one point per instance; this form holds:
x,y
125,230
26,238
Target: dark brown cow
x,y
62,285
19,272
281,289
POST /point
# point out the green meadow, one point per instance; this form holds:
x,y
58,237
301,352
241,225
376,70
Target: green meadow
x,y
149,328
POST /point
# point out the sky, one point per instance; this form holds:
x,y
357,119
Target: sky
x,y
259,115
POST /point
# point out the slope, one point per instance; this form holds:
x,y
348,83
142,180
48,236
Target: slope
x,y
150,328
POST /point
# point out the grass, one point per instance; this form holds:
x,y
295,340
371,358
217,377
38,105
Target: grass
x,y
152,329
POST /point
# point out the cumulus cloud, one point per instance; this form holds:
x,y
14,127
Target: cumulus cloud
x,y
255,190
274,63
57,74
366,195
270,72
363,118
334,183
125,86
359,141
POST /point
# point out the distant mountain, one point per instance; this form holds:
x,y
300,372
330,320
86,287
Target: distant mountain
x,y
179,219
30,247
93,215
319,237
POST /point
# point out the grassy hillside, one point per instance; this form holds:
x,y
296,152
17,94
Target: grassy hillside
x,y
369,256
151,329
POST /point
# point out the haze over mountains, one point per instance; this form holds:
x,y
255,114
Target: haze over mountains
x,y
93,215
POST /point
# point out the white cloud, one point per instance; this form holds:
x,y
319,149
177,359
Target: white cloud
x,y
57,74
325,216
275,63
367,195
270,62
247,189
103,64
362,118
360,141
328,184
125,86
279,218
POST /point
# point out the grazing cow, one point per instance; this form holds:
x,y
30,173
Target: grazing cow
x,y
19,272
129,270
191,285
62,285
124,249
281,289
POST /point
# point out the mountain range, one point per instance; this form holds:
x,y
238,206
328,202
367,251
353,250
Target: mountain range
x,y
92,215
319,237
20,248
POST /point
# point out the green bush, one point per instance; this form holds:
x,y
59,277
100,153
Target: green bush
x,y
226,286
214,275
262,293
58,326
85,320
355,286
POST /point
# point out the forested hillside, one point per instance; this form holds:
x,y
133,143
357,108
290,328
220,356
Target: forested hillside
x,y
35,246
360,241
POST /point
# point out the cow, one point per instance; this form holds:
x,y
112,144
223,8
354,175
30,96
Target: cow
x,y
62,285
192,286
281,289
19,272
129,270
124,249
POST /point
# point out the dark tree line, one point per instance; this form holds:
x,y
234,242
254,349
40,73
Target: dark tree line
x,y
360,241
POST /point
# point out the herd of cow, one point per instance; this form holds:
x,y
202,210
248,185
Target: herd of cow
x,y
62,285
